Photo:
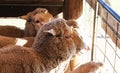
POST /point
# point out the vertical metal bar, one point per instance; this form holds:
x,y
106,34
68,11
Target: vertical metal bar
x,y
116,45
105,35
93,32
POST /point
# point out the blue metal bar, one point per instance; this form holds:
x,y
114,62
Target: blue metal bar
x,y
110,10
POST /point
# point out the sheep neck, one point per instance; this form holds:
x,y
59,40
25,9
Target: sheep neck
x,y
53,52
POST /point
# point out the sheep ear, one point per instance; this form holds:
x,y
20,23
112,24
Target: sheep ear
x,y
51,31
72,23
44,11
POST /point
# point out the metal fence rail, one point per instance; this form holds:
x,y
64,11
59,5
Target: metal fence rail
x,y
105,47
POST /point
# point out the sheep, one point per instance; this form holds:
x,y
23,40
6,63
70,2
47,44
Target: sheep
x,y
18,41
89,67
53,44
33,19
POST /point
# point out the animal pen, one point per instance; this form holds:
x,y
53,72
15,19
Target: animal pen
x,y
105,35
101,33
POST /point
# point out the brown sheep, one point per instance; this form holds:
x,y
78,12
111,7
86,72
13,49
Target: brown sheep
x,y
27,41
54,44
34,20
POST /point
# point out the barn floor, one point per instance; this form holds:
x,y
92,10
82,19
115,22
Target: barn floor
x,y
86,26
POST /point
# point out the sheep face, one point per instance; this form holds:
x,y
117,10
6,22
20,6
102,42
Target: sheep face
x,y
40,19
77,38
35,20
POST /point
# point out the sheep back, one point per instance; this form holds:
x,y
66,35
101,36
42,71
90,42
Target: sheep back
x,y
17,59
11,31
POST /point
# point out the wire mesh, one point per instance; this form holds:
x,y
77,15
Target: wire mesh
x,y
105,49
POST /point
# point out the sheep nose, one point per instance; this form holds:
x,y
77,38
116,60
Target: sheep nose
x,y
85,48
84,45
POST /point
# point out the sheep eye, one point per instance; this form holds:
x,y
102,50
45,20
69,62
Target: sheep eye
x,y
36,21
58,35
29,20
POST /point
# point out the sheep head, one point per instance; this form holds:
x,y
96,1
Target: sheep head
x,y
59,38
35,20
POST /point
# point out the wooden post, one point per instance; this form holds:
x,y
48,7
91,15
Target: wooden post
x,y
72,9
